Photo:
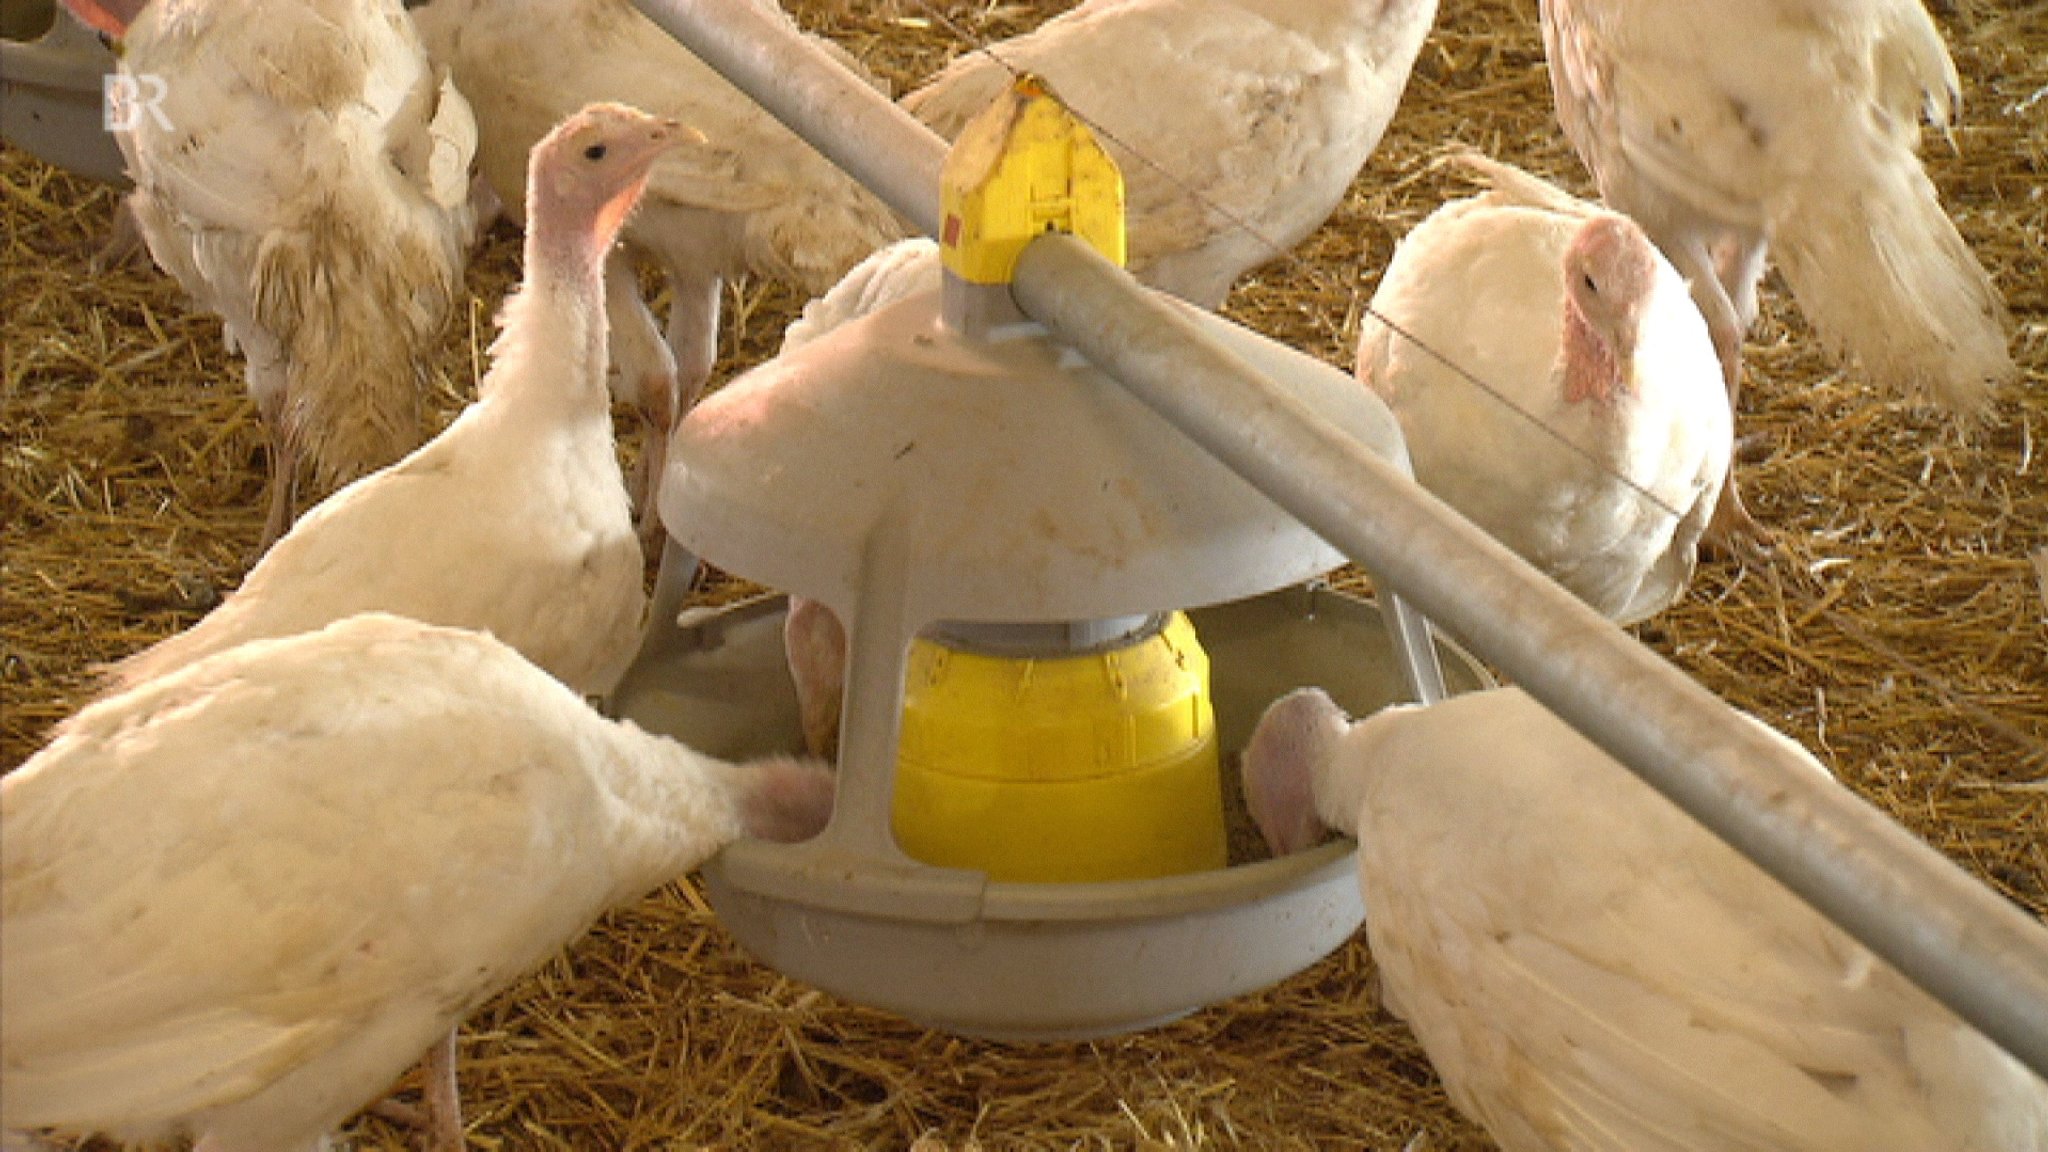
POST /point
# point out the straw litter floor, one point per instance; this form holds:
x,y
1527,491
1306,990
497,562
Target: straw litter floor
x,y
1901,634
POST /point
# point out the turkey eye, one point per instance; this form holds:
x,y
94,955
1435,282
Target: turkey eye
x,y
1587,279
594,152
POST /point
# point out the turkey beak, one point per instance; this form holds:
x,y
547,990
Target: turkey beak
x,y
1624,337
1625,352
663,136
667,134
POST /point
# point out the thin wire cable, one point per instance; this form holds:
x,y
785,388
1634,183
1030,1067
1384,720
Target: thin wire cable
x,y
1282,253
1940,684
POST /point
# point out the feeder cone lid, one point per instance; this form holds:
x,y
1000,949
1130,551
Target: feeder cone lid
x,y
1031,485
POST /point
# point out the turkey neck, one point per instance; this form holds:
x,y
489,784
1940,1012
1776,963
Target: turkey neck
x,y
555,332
1343,774
676,807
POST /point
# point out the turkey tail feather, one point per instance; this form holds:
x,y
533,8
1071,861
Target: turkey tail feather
x,y
1882,274
1512,185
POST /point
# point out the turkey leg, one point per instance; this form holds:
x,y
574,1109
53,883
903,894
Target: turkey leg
x,y
1732,530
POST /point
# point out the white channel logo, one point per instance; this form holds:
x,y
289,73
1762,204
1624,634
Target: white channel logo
x,y
129,98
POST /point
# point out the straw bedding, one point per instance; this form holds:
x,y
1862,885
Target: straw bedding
x,y
1902,634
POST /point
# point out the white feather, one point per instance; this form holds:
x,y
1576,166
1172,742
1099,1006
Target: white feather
x,y
295,177
514,520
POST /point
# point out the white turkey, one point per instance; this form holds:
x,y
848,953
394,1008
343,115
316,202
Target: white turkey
x,y
1239,126
1590,970
1790,127
749,198
303,171
1555,383
243,898
515,519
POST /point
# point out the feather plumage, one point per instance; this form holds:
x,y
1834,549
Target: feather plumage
x,y
749,198
304,175
1800,133
902,269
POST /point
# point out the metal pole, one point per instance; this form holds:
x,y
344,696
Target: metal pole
x,y
1982,956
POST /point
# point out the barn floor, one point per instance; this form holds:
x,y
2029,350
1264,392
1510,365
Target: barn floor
x,y
1901,633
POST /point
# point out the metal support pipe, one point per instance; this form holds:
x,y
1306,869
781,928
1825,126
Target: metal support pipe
x,y
1982,956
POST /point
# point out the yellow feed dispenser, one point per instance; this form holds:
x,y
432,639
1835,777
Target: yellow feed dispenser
x,y
1062,765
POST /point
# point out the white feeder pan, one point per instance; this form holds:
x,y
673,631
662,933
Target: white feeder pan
x,y
1040,962
52,93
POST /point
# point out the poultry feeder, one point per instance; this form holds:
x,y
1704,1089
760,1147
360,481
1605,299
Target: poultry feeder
x,y
53,83
964,491
1075,750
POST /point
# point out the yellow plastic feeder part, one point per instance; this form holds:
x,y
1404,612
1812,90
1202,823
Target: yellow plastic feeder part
x,y
1090,767
1024,166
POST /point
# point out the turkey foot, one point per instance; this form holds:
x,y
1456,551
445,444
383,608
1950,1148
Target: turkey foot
x,y
124,242
1733,532
439,1114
